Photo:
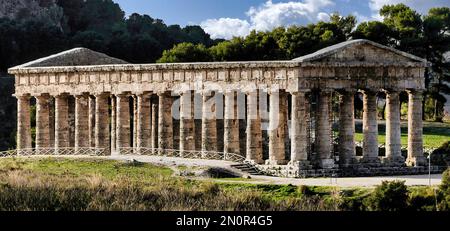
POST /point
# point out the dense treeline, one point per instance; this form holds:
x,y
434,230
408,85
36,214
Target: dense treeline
x,y
97,24
101,25
426,36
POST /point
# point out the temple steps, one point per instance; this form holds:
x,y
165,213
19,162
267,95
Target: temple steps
x,y
247,168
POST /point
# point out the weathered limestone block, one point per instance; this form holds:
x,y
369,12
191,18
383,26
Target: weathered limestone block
x,y
91,121
43,122
165,122
187,123
154,121
62,133
23,122
347,151
135,120
81,121
254,136
123,130
370,129
231,123
323,131
393,132
415,130
102,134
299,124
278,117
113,124
209,125
144,128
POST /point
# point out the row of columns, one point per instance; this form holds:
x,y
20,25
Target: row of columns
x,y
153,125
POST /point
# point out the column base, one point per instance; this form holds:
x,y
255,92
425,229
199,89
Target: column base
x,y
370,161
397,161
276,162
417,161
326,163
301,165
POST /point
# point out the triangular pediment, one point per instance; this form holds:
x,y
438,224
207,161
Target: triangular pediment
x,y
360,51
74,57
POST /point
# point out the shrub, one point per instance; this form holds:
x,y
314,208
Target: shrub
x,y
444,191
352,200
422,199
441,156
389,196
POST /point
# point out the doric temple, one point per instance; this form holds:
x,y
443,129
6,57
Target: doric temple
x,y
278,115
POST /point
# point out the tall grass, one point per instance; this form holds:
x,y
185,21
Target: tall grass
x,y
25,190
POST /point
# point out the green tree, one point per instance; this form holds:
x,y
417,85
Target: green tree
x,y
436,37
375,31
186,52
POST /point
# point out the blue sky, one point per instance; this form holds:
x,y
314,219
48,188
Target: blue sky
x,y
227,18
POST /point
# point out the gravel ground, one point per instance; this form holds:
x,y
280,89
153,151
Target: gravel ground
x,y
341,182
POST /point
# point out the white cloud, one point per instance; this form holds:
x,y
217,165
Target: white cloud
x,y
226,27
268,16
322,16
271,15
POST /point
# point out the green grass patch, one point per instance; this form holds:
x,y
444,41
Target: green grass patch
x,y
434,134
108,169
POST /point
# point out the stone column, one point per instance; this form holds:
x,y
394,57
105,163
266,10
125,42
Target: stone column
x,y
347,152
43,122
144,127
323,131
61,122
299,136
81,122
415,130
393,132
154,121
113,124
278,117
135,120
102,135
123,129
231,123
254,136
370,129
91,121
165,122
187,123
209,125
23,122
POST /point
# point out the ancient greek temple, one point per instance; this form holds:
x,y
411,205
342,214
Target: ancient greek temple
x,y
277,115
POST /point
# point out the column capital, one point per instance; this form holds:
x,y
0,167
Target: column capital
x,y
299,91
368,91
392,91
61,96
163,93
42,96
123,95
102,95
79,96
23,97
415,91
